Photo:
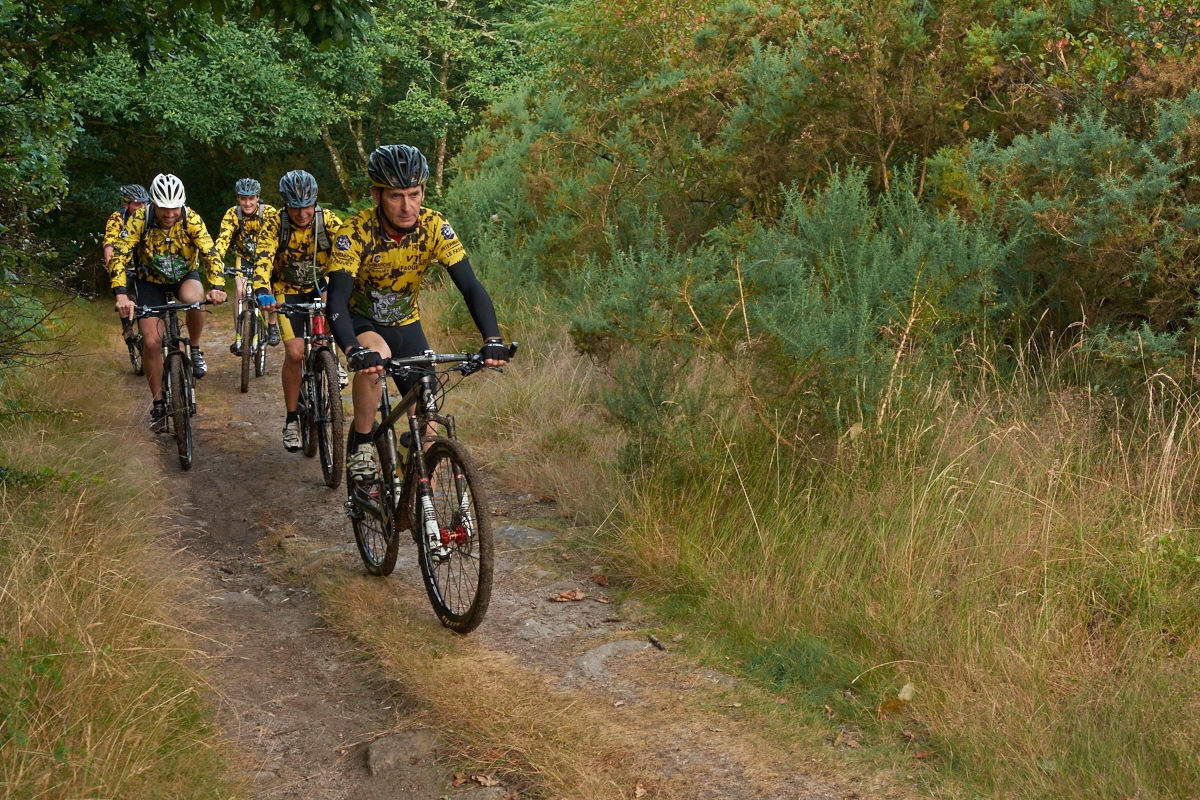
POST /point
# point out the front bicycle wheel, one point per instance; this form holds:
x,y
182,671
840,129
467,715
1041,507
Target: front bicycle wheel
x,y
133,343
371,506
246,328
177,394
307,408
328,417
455,543
260,345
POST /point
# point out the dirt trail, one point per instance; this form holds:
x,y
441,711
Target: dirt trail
x,y
316,720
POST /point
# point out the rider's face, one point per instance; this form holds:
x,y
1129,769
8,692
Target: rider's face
x,y
400,207
248,203
134,205
166,217
302,217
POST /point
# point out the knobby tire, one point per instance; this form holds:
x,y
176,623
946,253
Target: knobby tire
x,y
307,407
457,575
328,417
178,401
246,326
374,520
260,344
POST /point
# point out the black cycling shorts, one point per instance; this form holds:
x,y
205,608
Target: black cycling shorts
x,y
402,340
155,294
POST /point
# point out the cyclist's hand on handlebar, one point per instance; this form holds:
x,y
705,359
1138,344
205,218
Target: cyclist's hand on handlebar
x,y
365,360
125,306
494,352
216,296
266,301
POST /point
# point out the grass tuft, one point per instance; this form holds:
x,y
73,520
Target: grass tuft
x,y
97,698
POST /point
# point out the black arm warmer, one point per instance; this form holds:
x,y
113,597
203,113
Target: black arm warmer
x,y
341,286
479,302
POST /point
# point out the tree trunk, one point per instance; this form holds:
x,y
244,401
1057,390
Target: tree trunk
x,y
355,127
336,160
440,169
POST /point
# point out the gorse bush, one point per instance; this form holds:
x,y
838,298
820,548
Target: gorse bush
x,y
825,312
1102,232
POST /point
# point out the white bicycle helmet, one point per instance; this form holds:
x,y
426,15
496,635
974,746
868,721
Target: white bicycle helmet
x,y
166,191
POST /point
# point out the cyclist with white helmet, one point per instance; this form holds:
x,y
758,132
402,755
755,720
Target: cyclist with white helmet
x,y
297,242
241,229
162,242
379,258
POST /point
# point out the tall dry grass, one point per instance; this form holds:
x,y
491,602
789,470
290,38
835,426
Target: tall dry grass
x,y
97,698
1025,553
539,427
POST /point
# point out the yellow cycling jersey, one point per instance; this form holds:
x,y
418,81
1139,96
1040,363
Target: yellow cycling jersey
x,y
164,256
295,268
387,273
112,229
243,238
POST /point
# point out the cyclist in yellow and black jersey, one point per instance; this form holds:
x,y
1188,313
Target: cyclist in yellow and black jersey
x,y
296,243
241,229
379,257
167,238
133,198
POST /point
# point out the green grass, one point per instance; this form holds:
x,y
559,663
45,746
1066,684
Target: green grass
x,y
1025,556
97,697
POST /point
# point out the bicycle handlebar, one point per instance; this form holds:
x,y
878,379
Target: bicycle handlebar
x,y
467,363
291,308
141,312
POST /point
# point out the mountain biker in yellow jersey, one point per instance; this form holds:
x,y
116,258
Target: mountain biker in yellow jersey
x,y
133,197
167,238
297,242
241,228
379,257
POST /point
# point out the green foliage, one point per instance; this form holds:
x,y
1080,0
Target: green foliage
x,y
30,675
1105,235
846,295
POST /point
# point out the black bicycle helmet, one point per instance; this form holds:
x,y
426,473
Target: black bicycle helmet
x,y
247,186
298,189
397,166
134,193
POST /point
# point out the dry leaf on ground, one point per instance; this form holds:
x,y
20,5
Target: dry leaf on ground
x,y
569,596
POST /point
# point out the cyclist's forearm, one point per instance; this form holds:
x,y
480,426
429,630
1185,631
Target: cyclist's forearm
x,y
341,286
479,302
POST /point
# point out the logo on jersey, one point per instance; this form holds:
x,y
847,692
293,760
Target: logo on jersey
x,y
447,232
342,243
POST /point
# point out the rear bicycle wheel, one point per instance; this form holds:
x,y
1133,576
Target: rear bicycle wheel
x,y
456,555
328,417
372,509
177,393
246,327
